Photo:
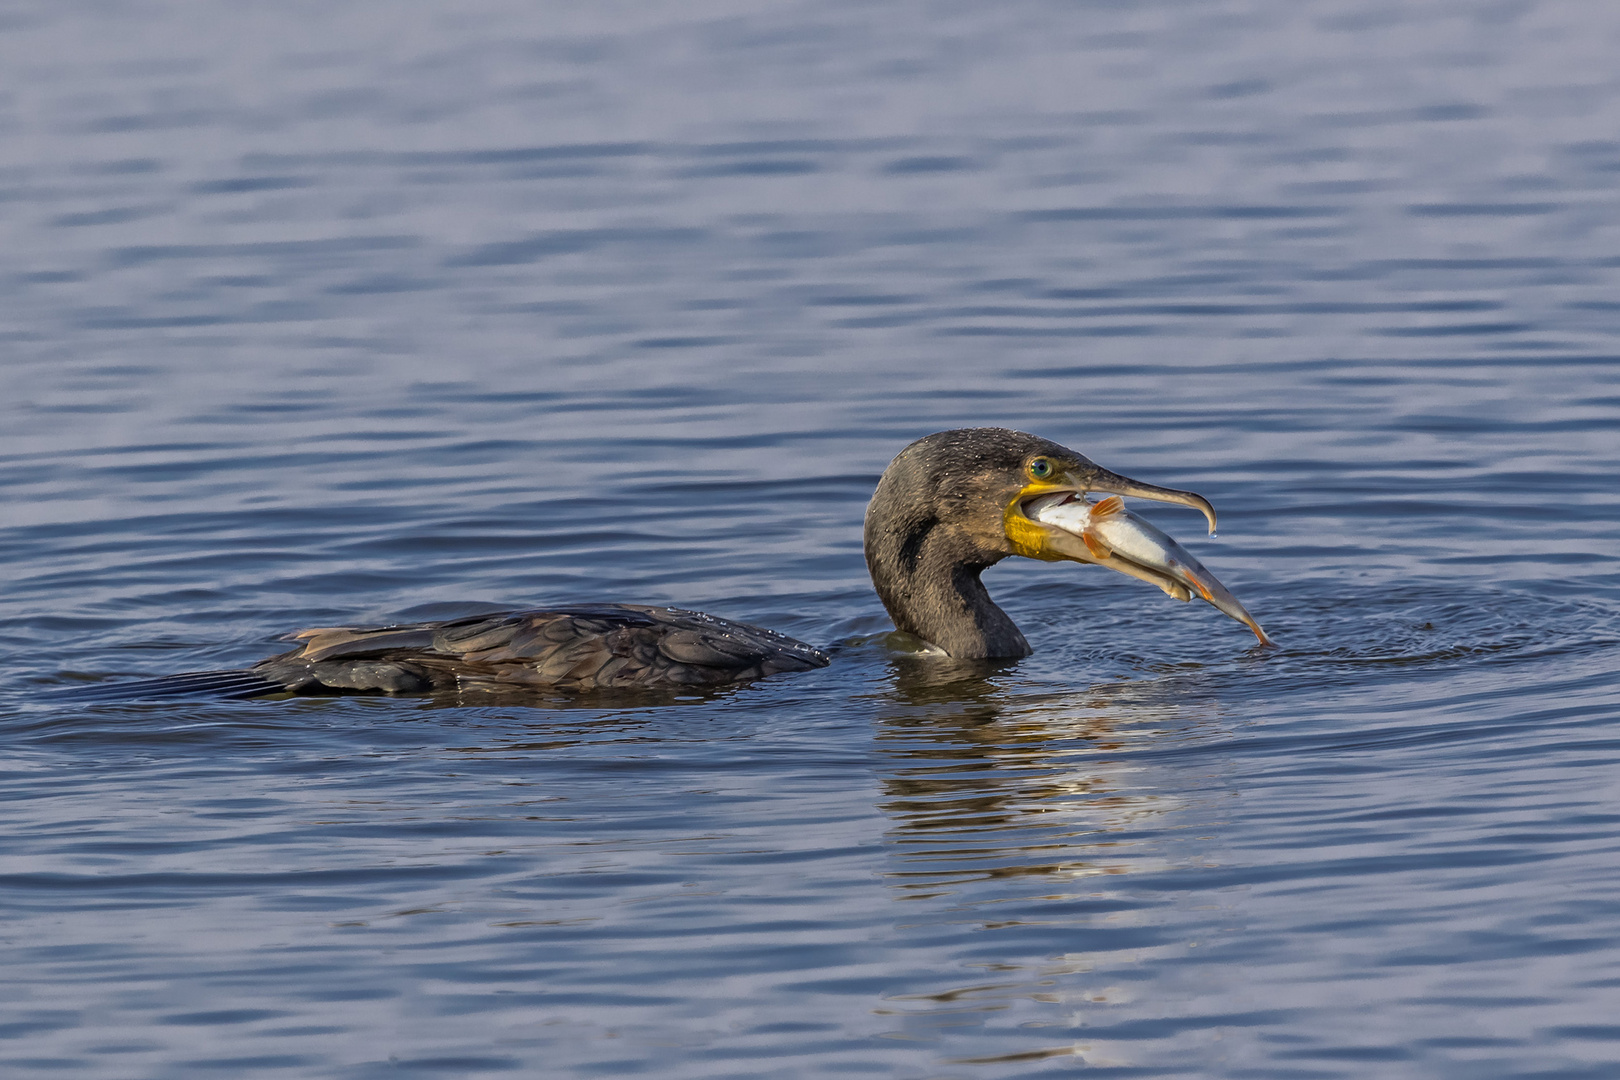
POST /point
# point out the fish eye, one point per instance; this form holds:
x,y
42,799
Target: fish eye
x,y
1040,468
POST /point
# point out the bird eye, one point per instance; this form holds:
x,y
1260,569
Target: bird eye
x,y
1040,468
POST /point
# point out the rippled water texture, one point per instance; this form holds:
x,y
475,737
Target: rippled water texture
x,y
345,312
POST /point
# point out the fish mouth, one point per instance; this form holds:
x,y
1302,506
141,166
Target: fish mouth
x,y
1032,506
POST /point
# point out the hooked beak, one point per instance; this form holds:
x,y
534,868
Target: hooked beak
x,y
1034,540
1097,478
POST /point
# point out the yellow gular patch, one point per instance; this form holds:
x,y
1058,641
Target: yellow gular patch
x,y
1026,537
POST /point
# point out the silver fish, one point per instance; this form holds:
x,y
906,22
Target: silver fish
x,y
1112,536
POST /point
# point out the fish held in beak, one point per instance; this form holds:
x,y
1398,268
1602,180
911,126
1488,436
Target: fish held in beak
x,y
1109,535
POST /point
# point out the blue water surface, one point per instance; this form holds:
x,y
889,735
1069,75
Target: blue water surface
x,y
351,312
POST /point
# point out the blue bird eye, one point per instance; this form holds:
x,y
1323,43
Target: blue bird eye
x,y
1040,468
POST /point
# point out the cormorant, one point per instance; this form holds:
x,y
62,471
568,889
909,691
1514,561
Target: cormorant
x,y
947,507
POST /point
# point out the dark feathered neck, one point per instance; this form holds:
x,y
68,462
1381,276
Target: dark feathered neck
x,y
926,572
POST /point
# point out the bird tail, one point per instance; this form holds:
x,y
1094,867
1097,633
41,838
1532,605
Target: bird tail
x,y
190,684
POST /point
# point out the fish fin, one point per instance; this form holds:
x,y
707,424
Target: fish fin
x,y
1096,546
1108,507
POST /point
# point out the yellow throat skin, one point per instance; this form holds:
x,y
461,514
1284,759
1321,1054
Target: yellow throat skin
x,y
1029,538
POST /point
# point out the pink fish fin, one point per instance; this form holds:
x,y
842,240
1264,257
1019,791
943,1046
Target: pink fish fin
x,y
1108,507
1096,546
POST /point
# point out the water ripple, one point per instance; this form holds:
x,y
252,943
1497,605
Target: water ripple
x,y
328,317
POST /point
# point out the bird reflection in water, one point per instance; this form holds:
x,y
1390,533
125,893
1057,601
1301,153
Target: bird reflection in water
x,y
981,788
1025,814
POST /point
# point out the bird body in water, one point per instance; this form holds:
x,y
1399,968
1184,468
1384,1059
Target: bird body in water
x,y
949,506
